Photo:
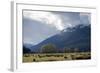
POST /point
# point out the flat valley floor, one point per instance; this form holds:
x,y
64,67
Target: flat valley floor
x,y
46,57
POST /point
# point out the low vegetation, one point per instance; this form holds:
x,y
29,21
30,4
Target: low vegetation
x,y
49,52
55,57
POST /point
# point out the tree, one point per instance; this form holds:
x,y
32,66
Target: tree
x,y
26,50
67,50
76,50
49,48
71,50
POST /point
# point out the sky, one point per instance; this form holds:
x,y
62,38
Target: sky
x,y
40,25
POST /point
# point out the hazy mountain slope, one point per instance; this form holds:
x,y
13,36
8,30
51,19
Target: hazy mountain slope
x,y
76,37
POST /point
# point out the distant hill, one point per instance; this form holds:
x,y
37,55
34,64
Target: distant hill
x,y
76,37
27,45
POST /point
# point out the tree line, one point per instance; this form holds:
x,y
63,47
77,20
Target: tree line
x,y
51,48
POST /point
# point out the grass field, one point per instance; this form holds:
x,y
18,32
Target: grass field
x,y
56,57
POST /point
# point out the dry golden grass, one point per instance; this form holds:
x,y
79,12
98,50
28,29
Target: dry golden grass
x,y
55,57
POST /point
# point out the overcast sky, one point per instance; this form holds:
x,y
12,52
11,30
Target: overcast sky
x,y
39,25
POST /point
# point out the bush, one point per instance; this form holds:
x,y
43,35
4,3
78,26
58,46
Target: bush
x,y
49,48
26,50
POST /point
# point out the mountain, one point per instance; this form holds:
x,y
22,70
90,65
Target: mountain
x,y
27,45
76,37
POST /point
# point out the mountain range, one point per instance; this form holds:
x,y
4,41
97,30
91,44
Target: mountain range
x,y
76,37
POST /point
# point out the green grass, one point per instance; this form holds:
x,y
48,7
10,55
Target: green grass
x,y
55,57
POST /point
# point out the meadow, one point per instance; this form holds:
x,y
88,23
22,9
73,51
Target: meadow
x,y
41,57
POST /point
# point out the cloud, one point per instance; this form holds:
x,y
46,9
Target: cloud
x,y
47,24
48,18
85,18
35,31
59,20
70,19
